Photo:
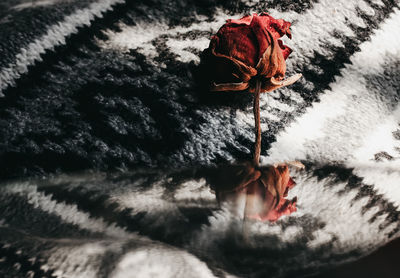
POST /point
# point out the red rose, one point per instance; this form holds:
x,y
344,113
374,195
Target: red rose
x,y
248,50
247,54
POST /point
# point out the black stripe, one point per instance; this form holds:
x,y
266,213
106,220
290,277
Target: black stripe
x,y
18,213
238,6
16,258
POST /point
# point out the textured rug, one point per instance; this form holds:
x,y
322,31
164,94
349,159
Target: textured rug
x,y
106,139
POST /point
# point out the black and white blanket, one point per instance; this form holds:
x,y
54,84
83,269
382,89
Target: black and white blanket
x,y
105,135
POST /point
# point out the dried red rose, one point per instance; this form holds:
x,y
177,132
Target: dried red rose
x,y
247,54
247,51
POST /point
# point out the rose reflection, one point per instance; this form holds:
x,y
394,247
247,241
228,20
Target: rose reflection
x,y
256,192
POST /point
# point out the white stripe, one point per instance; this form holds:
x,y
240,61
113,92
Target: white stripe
x,y
384,175
35,3
135,259
55,36
68,213
140,36
320,198
81,259
160,262
161,206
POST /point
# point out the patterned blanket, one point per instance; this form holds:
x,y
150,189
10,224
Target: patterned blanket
x,y
107,141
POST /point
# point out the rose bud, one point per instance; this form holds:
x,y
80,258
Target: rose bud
x,y
248,55
248,50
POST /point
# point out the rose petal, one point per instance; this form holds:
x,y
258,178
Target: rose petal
x,y
237,41
288,81
230,87
291,183
272,62
225,69
286,50
279,27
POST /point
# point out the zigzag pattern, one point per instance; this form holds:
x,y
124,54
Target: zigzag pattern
x,y
120,93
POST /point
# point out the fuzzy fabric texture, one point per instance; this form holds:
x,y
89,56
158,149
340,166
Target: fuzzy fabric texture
x,y
111,87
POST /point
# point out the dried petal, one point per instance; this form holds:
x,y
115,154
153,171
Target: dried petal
x,y
230,86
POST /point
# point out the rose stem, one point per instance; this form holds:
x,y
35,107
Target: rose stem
x,y
256,111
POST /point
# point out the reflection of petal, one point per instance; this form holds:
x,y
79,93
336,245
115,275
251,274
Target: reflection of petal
x,y
254,205
285,207
261,189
